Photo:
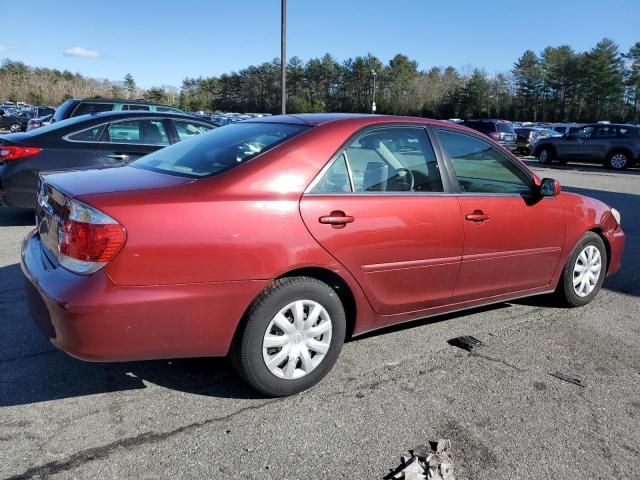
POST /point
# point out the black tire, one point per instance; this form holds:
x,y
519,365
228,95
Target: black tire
x,y
246,352
545,155
618,160
565,291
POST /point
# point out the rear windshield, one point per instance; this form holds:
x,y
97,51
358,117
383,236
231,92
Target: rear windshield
x,y
482,127
58,125
505,127
219,150
63,110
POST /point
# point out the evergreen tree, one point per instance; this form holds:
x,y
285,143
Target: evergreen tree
x,y
527,77
130,85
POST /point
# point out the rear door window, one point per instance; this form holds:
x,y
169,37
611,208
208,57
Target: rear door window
x,y
89,135
143,132
136,107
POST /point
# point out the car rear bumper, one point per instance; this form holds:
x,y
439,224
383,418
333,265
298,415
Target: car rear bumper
x,y
92,318
511,146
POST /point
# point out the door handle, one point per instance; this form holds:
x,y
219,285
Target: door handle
x,y
337,219
477,216
118,156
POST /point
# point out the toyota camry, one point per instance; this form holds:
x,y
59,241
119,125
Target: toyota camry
x,y
271,240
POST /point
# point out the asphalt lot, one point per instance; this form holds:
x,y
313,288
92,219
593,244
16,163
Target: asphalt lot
x,y
506,416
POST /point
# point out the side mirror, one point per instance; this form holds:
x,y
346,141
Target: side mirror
x,y
549,187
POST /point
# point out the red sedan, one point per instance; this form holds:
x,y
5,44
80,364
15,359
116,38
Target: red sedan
x,y
273,239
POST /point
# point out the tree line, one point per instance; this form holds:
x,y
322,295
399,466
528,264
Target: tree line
x,y
557,84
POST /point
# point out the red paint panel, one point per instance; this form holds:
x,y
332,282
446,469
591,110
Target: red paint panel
x,y
403,250
518,247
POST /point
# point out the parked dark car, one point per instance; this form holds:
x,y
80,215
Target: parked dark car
x,y
526,136
109,139
16,122
39,122
616,146
274,238
75,107
499,130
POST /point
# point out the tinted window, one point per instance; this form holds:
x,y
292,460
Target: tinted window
x,y
483,127
559,129
135,107
61,125
87,108
146,132
187,129
394,160
220,149
63,111
629,132
168,110
584,132
90,135
606,132
335,179
480,168
504,127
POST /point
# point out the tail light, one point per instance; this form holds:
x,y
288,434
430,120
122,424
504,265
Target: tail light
x,y
13,152
494,135
89,239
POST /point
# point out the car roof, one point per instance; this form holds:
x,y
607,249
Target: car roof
x,y
120,100
316,119
139,113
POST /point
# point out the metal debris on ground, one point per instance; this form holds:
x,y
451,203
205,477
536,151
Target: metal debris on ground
x,y
567,378
426,463
466,342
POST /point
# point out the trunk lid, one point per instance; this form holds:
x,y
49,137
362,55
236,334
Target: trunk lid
x,y
110,180
56,189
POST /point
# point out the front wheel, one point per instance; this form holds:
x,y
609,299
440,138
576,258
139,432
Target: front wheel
x,y
15,128
291,337
584,271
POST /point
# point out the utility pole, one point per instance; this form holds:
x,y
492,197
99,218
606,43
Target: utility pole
x,y
373,102
283,55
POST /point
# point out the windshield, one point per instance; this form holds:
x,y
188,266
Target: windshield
x,y
220,149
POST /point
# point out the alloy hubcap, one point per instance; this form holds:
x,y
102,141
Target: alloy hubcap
x,y
14,128
297,339
586,271
619,160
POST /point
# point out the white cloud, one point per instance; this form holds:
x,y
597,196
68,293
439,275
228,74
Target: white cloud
x,y
3,47
81,52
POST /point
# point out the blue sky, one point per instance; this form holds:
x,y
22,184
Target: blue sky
x,y
162,42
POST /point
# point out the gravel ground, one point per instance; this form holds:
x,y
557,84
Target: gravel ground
x,y
506,416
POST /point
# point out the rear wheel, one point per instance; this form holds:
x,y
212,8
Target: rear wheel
x,y
291,338
618,160
545,155
15,128
584,271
